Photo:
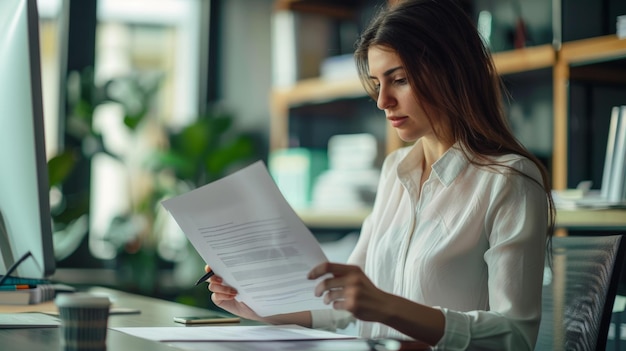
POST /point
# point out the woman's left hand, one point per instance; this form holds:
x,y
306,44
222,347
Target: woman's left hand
x,y
350,289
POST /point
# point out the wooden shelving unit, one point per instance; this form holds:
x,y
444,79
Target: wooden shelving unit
x,y
586,51
561,60
317,90
523,60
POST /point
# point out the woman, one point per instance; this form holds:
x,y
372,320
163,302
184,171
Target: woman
x,y
452,254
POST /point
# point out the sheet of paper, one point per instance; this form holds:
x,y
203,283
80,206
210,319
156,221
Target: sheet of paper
x,y
242,226
232,333
51,309
27,320
45,307
292,345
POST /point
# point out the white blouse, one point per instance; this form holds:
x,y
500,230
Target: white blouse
x,y
471,242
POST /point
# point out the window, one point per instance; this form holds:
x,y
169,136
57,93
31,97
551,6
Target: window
x,y
140,39
51,40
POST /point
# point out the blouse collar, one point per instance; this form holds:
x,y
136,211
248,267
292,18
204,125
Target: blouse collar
x,y
447,168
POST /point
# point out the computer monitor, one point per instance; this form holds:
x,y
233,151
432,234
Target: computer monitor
x,y
25,221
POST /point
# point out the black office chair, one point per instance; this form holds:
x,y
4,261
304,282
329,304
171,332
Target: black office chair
x,y
579,291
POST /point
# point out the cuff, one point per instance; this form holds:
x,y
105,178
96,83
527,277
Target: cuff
x,y
330,320
456,332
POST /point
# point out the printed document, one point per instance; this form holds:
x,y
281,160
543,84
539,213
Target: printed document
x,y
232,333
244,229
27,320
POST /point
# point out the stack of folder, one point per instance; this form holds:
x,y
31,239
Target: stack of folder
x,y
25,291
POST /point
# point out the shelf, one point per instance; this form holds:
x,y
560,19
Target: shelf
x,y
603,48
319,90
315,90
522,60
591,219
581,219
333,219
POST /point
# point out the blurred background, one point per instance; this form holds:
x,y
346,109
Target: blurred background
x,y
146,99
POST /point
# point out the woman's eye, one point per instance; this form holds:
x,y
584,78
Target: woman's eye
x,y
400,81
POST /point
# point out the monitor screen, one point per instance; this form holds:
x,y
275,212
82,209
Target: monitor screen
x,y
25,221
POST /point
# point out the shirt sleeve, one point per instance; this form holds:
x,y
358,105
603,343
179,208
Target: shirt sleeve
x,y
516,224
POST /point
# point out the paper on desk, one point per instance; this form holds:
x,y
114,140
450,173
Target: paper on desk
x,y
27,320
242,226
232,333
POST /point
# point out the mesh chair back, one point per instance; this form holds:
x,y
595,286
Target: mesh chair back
x,y
579,291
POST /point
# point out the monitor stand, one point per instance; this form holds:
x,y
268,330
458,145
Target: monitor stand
x,y
5,247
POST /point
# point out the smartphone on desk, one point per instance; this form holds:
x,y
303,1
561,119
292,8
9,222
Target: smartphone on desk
x,y
206,319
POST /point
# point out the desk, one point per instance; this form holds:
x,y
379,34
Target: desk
x,y
155,313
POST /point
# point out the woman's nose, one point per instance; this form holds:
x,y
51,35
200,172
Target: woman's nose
x,y
385,100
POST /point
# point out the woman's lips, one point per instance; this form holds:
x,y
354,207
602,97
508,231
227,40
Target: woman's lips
x,y
397,121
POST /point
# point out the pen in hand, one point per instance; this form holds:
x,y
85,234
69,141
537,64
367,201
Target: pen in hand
x,y
204,277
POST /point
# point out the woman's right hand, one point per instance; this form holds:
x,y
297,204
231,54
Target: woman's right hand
x,y
223,296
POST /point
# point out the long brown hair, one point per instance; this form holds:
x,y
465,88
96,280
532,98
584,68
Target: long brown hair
x,y
452,74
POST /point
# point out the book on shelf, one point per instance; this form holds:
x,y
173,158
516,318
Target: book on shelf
x,y
618,177
613,187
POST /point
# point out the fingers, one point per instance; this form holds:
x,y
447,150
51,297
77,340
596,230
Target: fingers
x,y
219,299
333,295
329,285
332,268
217,287
332,287
219,290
